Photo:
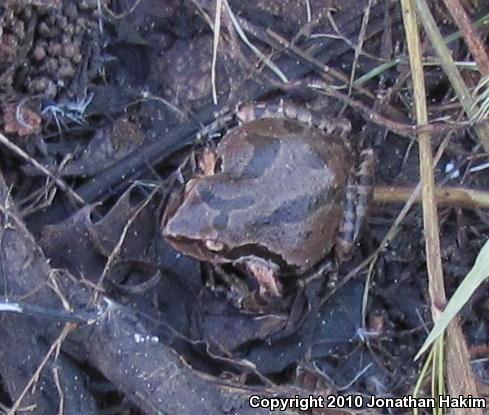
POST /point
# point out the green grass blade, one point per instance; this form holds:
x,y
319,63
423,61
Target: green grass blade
x,y
475,277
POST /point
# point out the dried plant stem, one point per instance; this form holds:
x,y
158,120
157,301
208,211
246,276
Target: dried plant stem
x,y
217,31
60,182
53,349
458,365
446,196
471,37
450,68
267,61
430,214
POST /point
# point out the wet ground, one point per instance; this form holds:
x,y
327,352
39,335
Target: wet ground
x,y
105,108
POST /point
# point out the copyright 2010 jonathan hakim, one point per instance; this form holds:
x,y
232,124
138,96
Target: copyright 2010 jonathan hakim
x,y
305,403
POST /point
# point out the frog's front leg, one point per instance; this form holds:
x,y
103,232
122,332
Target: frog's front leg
x,y
266,275
358,195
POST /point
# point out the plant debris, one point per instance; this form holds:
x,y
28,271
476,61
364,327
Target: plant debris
x,y
106,116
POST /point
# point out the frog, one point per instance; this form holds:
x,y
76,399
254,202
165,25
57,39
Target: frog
x,y
279,194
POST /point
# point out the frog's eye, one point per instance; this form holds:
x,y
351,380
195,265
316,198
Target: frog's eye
x,y
212,245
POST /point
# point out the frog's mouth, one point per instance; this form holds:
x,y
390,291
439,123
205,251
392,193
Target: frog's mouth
x,y
215,251
244,252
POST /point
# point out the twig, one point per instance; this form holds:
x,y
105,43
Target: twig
x,y
481,22
60,391
293,50
217,30
358,48
119,16
65,316
450,68
370,115
55,346
60,182
447,196
268,62
472,39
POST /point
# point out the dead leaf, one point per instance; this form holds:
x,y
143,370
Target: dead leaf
x,y
21,120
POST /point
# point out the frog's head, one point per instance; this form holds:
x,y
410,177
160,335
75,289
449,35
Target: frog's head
x,y
188,223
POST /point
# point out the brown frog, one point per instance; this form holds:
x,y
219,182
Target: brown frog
x,y
277,197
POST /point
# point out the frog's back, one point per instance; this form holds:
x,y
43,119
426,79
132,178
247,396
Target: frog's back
x,y
296,176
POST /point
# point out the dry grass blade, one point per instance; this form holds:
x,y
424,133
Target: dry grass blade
x,y
471,37
445,196
217,31
450,68
430,214
481,100
59,182
376,71
53,350
460,379
274,68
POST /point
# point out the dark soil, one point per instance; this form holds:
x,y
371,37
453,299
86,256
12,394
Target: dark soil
x,y
103,106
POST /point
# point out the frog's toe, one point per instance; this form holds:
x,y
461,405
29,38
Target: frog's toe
x,y
269,284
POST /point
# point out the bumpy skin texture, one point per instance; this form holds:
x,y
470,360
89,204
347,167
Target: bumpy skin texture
x,y
277,194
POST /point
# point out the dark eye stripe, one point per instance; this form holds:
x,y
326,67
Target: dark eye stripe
x,y
265,152
225,205
297,210
221,221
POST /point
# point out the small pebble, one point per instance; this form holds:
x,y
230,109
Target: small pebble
x,y
61,21
51,66
44,30
65,39
54,49
26,14
66,71
69,29
38,84
39,53
70,10
79,28
77,57
51,90
68,50
19,30
88,4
